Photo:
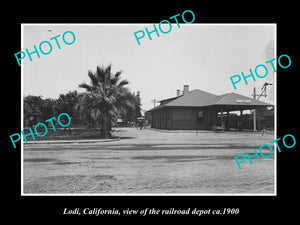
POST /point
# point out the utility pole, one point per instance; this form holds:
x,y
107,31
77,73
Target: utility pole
x,y
154,101
254,111
263,93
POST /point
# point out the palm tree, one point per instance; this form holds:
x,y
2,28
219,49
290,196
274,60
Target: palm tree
x,y
109,97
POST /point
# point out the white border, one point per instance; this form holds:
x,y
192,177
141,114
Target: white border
x,y
275,110
22,116
158,194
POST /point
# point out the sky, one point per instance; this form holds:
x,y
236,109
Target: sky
x,y
203,56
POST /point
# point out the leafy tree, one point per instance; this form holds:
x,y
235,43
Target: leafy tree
x,y
84,107
37,109
137,100
109,96
130,114
48,109
32,110
66,103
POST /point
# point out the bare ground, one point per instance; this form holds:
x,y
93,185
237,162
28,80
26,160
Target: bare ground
x,y
150,162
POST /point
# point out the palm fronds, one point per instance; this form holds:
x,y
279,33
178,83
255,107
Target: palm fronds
x,y
109,96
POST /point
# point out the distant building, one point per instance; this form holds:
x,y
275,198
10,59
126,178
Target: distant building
x,y
200,110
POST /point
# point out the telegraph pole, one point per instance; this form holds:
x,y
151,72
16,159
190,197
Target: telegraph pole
x,y
263,93
254,111
154,101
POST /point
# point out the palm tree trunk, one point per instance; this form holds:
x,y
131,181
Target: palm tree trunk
x,y
109,125
105,128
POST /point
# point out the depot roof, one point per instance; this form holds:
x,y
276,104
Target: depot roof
x,y
199,98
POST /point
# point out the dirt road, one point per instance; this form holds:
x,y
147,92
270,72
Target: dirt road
x,y
150,162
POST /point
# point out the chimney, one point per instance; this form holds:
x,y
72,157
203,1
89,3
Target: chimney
x,y
177,92
185,89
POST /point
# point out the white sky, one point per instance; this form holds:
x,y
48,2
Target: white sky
x,y
203,56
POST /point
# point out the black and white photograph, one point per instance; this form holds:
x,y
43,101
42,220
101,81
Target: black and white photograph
x,y
150,112
148,109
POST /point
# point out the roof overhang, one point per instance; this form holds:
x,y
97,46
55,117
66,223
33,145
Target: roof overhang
x,y
200,100
238,107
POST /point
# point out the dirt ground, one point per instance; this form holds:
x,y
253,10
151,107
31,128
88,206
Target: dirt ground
x,y
150,162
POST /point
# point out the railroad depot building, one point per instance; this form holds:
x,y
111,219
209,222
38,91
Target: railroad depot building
x,y
200,110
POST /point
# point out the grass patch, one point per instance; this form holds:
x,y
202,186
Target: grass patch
x,y
68,134
40,160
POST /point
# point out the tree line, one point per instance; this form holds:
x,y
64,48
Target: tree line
x,y
106,99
